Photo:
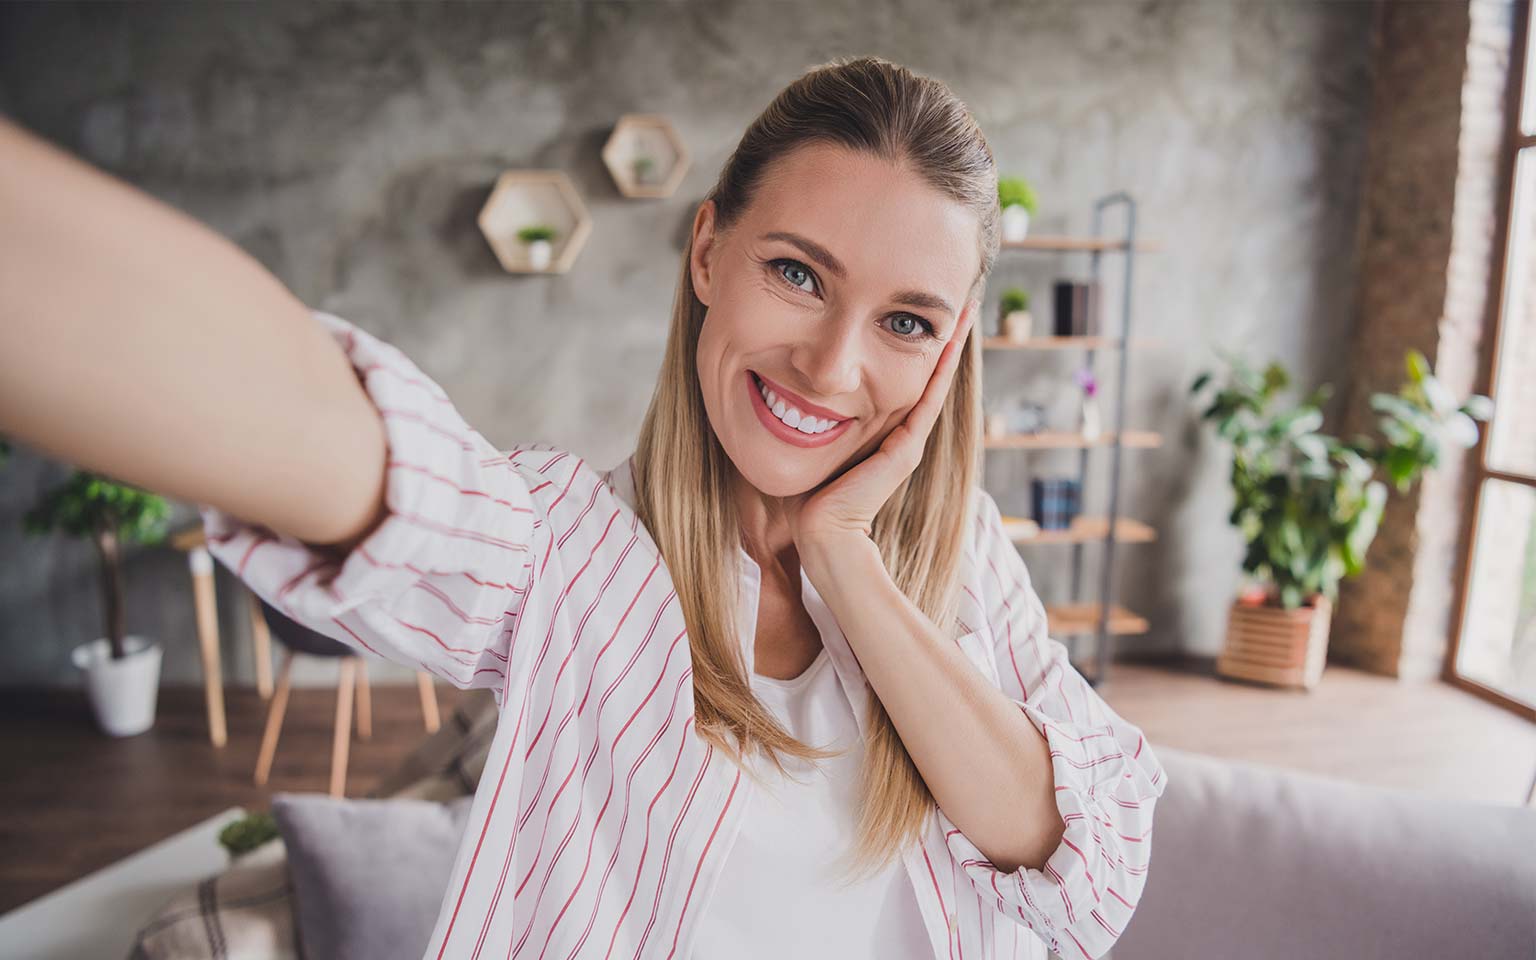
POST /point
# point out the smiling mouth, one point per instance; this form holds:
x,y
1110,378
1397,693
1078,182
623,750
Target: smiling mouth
x,y
790,427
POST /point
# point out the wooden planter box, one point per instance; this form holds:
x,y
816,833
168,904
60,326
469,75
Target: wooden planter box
x,y
1272,645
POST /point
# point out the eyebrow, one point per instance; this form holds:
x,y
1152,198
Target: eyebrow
x,y
823,256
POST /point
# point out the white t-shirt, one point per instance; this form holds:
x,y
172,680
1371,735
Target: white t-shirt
x,y
780,893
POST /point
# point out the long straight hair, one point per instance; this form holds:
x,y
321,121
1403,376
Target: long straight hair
x,y
682,474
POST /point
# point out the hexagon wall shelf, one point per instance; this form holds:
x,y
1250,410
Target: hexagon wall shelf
x,y
638,136
522,198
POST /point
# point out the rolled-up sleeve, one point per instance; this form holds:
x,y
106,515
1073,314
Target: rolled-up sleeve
x,y
440,583
1107,777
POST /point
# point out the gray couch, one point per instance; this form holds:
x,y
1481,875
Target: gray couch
x,y
1256,863
1249,862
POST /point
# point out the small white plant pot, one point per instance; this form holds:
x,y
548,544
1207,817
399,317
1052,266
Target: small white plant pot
x,y
997,425
1090,418
1017,325
1015,223
122,692
539,253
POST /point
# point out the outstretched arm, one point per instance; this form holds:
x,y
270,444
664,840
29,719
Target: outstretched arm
x,y
137,342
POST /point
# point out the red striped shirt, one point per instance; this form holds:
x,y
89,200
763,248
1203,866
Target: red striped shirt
x,y
602,819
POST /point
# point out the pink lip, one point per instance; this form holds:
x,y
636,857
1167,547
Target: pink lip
x,y
799,402
783,430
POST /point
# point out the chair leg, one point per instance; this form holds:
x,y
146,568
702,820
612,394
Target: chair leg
x,y
364,706
261,646
274,721
343,737
428,701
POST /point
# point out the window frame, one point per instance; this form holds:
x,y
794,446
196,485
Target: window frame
x,y
1515,141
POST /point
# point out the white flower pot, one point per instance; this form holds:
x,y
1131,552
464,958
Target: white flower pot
x,y
1090,418
1015,223
1017,325
122,692
539,253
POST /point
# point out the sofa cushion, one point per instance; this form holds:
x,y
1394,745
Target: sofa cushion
x,y
1256,862
368,874
243,913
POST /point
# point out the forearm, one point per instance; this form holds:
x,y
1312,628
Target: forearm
x,y
983,760
139,343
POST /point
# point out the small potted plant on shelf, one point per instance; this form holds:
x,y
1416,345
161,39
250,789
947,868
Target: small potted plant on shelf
x,y
644,166
1088,419
1016,322
1018,204
1308,504
538,236
122,670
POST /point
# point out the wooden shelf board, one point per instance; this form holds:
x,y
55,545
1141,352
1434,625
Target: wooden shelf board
x,y
1078,618
1088,529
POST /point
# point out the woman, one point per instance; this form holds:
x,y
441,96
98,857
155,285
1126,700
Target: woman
x,y
787,637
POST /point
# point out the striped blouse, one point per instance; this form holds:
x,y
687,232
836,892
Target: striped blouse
x,y
602,819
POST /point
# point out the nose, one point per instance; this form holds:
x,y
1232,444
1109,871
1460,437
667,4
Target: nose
x,y
830,359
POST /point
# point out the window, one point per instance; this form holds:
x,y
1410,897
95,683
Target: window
x,y
1494,650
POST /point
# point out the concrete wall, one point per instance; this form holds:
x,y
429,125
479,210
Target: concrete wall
x,y
349,148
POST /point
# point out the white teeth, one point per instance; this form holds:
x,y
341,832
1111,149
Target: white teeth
x,y
792,417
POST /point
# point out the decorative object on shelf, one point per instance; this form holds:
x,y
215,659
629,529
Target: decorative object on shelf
x,y
1016,323
1088,415
1020,528
1029,418
645,156
535,198
538,238
1054,501
997,424
1307,504
1018,204
1077,313
122,670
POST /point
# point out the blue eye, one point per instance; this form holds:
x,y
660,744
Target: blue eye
x,y
927,328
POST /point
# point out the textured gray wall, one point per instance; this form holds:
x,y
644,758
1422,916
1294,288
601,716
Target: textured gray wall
x,y
350,147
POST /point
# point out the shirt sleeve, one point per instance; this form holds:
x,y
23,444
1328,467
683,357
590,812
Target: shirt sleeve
x,y
440,583
1107,778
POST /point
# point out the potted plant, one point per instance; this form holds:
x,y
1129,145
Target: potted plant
x,y
538,237
1018,205
122,671
1016,322
643,166
1308,504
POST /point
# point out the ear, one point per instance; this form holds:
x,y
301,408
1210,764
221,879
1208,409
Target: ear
x,y
702,251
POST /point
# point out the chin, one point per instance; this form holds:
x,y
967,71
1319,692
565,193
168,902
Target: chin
x,y
776,477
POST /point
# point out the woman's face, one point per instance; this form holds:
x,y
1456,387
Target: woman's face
x,y
836,290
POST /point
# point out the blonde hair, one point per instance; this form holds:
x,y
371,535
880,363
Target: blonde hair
x,y
682,473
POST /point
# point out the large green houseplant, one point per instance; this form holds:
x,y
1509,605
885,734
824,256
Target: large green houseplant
x,y
122,670
1308,504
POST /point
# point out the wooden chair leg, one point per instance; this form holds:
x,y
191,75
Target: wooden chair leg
x,y
428,701
205,605
261,645
274,721
343,737
364,706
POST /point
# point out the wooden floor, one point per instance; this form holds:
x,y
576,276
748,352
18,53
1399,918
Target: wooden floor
x,y
73,800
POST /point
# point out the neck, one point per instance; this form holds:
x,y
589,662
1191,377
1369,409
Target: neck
x,y
764,531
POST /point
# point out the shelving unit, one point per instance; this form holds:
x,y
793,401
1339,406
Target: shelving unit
x,y
1102,618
